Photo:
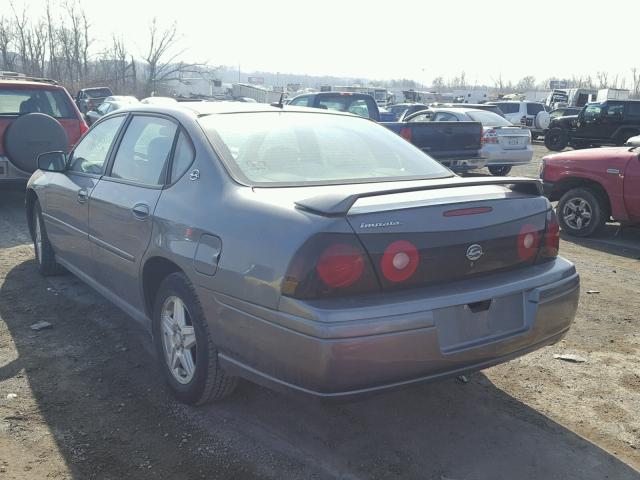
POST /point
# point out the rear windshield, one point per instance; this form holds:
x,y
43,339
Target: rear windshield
x,y
20,101
489,119
345,103
98,92
292,148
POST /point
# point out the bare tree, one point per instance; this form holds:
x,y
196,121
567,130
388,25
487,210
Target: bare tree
x,y
635,87
526,83
8,57
603,79
161,57
438,84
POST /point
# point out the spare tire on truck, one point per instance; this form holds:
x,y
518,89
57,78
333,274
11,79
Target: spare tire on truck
x,y
542,120
30,135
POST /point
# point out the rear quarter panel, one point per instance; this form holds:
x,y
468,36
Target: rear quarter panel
x,y
259,235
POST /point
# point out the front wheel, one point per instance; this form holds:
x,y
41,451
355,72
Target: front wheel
x,y
184,345
500,170
556,139
581,211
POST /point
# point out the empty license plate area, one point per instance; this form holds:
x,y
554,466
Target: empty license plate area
x,y
477,323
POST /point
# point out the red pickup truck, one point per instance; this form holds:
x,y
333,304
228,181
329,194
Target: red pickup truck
x,y
592,186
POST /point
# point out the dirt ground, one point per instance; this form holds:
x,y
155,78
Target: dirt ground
x,y
84,400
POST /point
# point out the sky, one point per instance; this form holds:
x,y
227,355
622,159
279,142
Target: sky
x,y
383,40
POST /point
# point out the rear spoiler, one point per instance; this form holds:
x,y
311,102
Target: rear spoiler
x,y
337,204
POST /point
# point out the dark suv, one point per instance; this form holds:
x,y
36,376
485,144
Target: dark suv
x,y
611,122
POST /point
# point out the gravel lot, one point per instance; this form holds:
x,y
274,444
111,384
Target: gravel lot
x,y
83,399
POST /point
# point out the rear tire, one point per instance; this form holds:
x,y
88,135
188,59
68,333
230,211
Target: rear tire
x,y
581,211
45,256
500,170
184,345
556,139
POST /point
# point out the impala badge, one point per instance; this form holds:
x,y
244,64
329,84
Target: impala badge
x,y
474,252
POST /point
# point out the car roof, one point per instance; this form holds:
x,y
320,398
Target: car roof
x,y
201,109
18,83
459,110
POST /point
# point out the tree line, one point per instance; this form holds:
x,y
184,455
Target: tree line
x,y
58,45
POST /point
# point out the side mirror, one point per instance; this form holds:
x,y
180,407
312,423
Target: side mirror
x,y
52,161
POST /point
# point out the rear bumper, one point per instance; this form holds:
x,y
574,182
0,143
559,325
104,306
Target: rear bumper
x,y
496,155
394,340
10,174
463,164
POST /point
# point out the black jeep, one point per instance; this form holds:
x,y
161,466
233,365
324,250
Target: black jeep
x,y
611,122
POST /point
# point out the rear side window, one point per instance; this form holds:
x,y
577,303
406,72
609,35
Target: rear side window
x,y
144,150
509,107
20,101
633,109
615,110
534,108
183,157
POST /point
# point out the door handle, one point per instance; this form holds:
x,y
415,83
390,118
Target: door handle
x,y
83,195
140,211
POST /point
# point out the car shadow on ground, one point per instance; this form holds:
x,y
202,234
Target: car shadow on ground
x,y
613,239
12,214
98,390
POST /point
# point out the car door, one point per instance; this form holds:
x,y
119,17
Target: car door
x,y
632,189
589,122
123,202
67,196
612,118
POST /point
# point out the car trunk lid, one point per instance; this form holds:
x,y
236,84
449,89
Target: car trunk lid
x,y
448,234
509,138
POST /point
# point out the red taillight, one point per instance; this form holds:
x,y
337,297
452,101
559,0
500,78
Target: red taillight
x,y
528,242
83,127
490,136
551,236
399,261
405,132
340,265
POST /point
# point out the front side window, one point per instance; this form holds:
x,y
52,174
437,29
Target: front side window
x,y
592,112
91,153
293,148
144,150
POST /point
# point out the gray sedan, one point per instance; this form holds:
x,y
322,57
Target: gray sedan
x,y
303,249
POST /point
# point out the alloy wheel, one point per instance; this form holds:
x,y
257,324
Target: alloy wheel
x,y
178,340
577,213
